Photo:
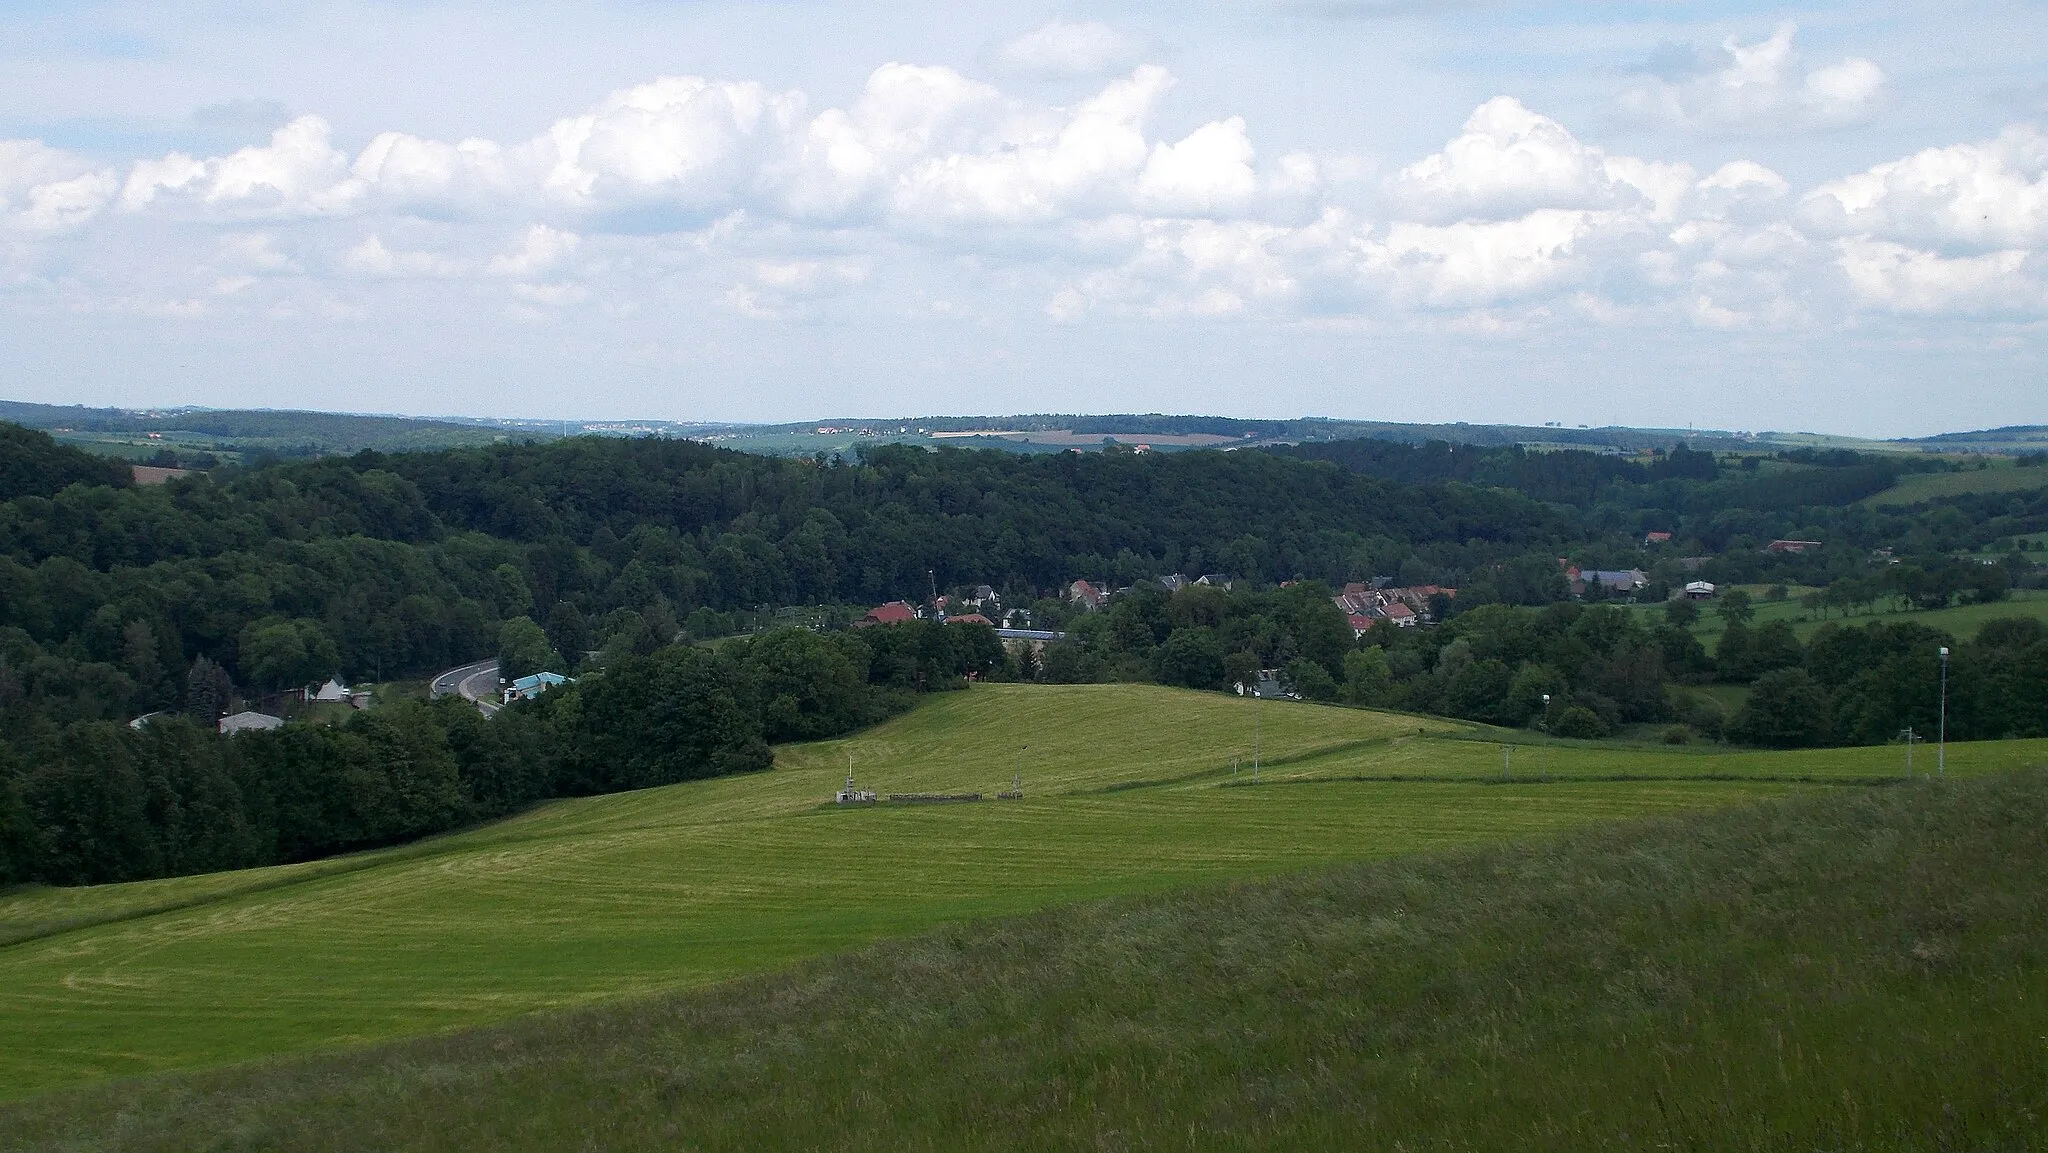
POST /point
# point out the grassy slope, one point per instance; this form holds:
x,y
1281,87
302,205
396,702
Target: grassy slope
x,y
1859,969
611,896
1997,476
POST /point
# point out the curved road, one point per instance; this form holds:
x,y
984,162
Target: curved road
x,y
476,683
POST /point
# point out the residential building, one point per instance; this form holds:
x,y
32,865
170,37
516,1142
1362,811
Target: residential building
x,y
1089,596
1791,546
1700,590
1616,580
893,613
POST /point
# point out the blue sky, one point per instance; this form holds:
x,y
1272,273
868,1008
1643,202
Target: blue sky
x,y
1826,217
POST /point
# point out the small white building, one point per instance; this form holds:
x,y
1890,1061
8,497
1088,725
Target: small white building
x,y
333,690
1700,590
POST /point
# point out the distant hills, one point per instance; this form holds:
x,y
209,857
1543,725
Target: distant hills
x,y
195,434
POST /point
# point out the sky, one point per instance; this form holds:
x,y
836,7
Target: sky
x,y
1823,217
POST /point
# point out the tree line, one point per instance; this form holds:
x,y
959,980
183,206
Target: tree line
x,y
1578,670
101,801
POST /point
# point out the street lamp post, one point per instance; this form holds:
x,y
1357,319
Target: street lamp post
x,y
1544,723
1941,748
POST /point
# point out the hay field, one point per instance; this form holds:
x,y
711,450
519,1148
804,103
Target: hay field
x,y
1127,790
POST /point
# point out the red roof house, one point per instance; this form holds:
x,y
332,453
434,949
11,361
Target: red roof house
x,y
893,613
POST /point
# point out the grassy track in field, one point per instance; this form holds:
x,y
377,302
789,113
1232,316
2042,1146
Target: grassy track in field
x,y
609,896
1854,969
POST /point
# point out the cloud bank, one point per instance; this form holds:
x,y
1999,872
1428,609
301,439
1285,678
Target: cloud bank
x,y
935,191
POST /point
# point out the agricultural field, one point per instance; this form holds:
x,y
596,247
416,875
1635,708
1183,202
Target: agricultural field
x,y
1996,475
1127,790
1960,621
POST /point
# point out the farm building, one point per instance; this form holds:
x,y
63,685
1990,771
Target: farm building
x,y
245,721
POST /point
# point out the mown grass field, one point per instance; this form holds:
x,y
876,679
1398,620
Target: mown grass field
x,y
1854,969
1127,791
1995,476
1961,621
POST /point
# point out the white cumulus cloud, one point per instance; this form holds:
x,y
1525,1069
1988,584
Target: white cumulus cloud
x,y
1992,193
1761,87
1903,279
45,190
1509,161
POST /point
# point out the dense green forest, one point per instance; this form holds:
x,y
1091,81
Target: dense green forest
x,y
610,557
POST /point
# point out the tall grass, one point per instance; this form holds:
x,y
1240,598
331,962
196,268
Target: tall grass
x,y
1847,970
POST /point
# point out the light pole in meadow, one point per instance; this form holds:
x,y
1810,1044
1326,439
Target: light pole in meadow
x,y
1941,748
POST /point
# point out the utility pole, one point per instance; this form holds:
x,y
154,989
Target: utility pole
x,y
1255,733
1507,760
1909,752
1941,748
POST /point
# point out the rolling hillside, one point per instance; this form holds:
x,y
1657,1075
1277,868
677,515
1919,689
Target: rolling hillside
x,y
1854,969
1126,790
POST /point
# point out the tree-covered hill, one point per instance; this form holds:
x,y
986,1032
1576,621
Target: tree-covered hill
x,y
118,600
31,464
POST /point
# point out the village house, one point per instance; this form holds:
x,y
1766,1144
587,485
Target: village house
x,y
893,613
1700,590
1088,596
1791,546
1365,607
1655,538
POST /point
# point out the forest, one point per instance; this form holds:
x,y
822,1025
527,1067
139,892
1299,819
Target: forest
x,y
623,560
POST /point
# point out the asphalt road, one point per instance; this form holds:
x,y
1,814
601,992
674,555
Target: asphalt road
x,y
476,683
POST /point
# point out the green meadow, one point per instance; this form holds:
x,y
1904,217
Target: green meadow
x,y
1960,621
1128,790
1993,476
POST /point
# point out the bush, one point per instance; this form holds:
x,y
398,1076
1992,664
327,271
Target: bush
x,y
1787,710
1580,722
